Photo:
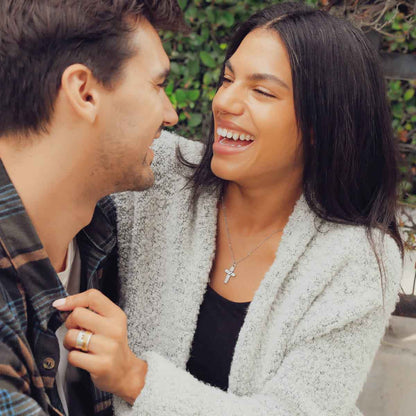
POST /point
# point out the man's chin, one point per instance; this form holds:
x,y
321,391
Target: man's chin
x,y
145,181
136,181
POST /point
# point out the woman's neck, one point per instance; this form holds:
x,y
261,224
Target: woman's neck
x,y
260,209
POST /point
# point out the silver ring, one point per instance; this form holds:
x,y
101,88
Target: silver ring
x,y
83,340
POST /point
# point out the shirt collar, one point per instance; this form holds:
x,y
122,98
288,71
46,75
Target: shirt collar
x,y
27,255
101,231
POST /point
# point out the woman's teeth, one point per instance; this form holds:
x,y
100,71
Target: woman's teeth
x,y
229,134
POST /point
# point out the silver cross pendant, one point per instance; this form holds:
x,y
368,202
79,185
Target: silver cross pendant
x,y
230,273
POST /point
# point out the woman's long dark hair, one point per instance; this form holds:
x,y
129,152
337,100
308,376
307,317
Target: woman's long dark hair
x,y
350,153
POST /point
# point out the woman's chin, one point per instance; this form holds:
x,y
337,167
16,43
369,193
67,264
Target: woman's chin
x,y
224,171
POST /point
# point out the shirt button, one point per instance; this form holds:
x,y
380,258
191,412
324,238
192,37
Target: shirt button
x,y
48,363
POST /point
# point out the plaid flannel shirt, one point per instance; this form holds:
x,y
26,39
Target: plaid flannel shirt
x,y
29,350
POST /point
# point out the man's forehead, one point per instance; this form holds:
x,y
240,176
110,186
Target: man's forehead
x,y
149,49
145,35
157,67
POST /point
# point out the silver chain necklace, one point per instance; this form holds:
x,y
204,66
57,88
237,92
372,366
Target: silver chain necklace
x,y
230,271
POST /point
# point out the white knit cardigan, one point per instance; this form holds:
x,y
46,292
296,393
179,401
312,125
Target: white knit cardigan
x,y
311,331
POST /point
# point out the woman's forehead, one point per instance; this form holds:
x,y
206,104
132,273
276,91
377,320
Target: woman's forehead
x,y
262,52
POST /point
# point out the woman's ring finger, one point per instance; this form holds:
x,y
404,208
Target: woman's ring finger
x,y
83,340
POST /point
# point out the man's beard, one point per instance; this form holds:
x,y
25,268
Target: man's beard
x,y
138,181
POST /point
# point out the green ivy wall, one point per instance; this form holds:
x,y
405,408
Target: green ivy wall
x,y
197,58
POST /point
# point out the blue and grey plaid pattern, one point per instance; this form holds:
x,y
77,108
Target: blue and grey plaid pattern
x,y
29,350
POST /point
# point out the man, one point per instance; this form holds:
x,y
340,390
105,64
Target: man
x,y
82,100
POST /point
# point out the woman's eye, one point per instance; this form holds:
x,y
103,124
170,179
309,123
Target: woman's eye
x,y
226,80
264,93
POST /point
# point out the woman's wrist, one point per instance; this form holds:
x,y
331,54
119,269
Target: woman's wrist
x,y
134,380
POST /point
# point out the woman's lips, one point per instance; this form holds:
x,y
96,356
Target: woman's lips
x,y
233,142
230,146
230,139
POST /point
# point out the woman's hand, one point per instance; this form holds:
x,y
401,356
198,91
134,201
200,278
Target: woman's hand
x,y
112,365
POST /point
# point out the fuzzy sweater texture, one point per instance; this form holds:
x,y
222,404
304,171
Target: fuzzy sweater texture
x,y
311,331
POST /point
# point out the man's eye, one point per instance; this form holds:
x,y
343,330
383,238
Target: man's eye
x,y
163,84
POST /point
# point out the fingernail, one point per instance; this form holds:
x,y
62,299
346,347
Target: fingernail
x,y
58,303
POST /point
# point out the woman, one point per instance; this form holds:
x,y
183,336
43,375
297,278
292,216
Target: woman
x,y
264,286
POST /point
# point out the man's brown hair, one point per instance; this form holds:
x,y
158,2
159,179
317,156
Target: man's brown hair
x,y
39,39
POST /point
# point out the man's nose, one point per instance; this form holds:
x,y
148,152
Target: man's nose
x,y
171,116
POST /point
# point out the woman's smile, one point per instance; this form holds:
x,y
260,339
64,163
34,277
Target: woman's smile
x,y
231,138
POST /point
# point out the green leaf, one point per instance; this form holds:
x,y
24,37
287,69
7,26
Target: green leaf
x,y
207,78
169,88
193,95
180,95
396,25
388,16
173,100
182,3
175,68
191,13
195,120
409,94
211,94
406,27
207,59
209,11
194,67
226,19
205,34
395,85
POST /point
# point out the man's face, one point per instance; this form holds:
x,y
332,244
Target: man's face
x,y
132,114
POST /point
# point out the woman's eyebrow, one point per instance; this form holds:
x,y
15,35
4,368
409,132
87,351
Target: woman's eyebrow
x,y
229,66
268,77
260,77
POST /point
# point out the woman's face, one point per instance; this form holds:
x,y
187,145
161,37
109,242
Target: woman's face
x,y
256,137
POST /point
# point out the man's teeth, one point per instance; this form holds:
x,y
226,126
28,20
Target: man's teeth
x,y
229,134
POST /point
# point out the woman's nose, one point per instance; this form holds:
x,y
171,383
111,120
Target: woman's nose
x,y
229,99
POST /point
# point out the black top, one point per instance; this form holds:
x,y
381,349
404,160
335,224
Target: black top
x,y
219,323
